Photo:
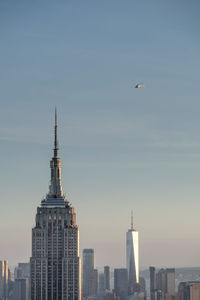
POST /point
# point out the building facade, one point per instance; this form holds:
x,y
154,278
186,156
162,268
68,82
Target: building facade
x,y
132,257
121,283
3,280
189,290
152,272
165,281
101,286
55,263
88,272
22,270
107,278
22,281
21,289
93,288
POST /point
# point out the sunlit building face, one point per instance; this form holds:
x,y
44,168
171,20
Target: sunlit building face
x,y
132,258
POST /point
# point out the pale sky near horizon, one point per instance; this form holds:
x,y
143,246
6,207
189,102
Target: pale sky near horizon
x,y
122,148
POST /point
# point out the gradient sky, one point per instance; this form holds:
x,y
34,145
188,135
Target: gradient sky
x,y
122,148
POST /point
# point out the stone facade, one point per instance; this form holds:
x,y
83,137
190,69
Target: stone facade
x,y
55,262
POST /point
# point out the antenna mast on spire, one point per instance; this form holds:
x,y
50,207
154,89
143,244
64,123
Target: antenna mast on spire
x,y
131,220
55,136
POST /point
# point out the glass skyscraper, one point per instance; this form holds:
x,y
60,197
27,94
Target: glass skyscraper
x,y
132,257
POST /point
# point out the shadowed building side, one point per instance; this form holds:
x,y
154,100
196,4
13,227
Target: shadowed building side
x,y
121,283
152,271
107,278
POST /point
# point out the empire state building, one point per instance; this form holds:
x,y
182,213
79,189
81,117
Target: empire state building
x,y
55,262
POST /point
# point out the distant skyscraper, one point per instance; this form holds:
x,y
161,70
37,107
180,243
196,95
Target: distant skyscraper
x,y
101,287
11,290
142,284
132,257
3,280
152,282
170,278
21,289
22,271
88,269
55,262
165,281
189,290
121,283
107,278
93,287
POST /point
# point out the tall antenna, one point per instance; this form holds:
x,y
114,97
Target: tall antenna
x,y
55,135
131,220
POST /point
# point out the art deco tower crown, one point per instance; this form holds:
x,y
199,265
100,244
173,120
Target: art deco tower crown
x,y
55,261
55,196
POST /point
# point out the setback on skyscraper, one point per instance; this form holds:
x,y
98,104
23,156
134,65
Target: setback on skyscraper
x,y
55,262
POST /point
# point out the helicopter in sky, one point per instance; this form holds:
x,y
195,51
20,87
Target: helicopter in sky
x,y
139,85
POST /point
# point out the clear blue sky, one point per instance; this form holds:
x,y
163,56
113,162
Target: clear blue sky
x,y
122,148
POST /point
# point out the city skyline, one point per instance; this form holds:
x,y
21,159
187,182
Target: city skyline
x,y
121,148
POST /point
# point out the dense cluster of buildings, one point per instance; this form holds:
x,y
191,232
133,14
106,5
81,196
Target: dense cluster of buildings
x,y
106,284
162,286
54,271
97,285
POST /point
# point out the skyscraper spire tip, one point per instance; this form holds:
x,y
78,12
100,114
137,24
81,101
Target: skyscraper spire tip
x,y
55,135
131,220
55,116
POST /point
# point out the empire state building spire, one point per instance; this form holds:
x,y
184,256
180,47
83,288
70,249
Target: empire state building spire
x,y
55,136
55,262
55,195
